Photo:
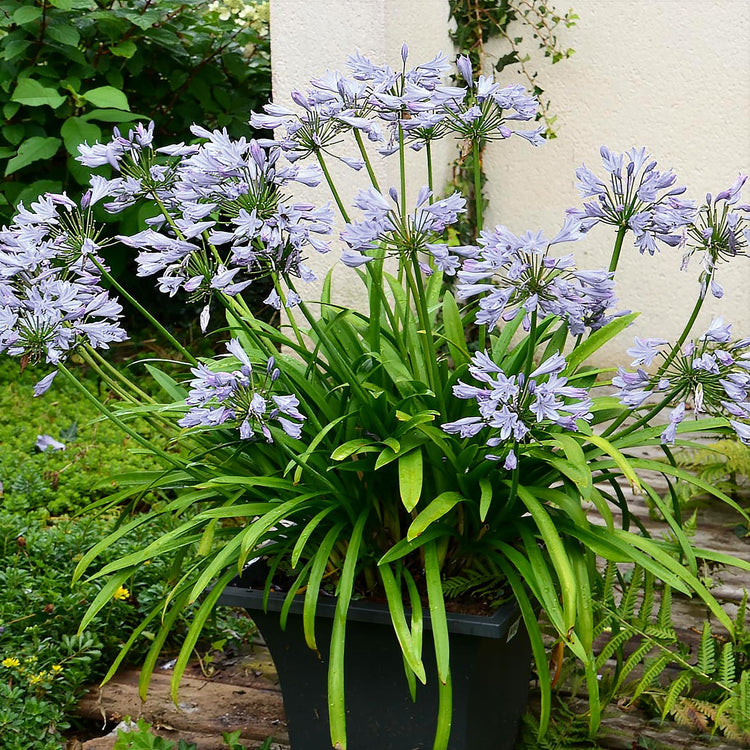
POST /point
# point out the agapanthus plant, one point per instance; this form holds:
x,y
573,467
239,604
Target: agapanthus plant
x,y
372,453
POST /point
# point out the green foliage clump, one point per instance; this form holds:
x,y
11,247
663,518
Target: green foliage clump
x,y
55,482
724,464
140,737
44,665
70,69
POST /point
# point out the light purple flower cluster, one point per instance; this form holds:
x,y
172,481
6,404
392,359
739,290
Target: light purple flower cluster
x,y
224,221
720,232
483,112
713,372
419,100
512,406
516,275
51,296
638,197
242,398
385,226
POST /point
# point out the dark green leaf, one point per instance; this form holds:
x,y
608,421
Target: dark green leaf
x,y
107,96
76,131
31,150
27,14
33,94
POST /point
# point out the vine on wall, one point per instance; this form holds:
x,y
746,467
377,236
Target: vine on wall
x,y
523,25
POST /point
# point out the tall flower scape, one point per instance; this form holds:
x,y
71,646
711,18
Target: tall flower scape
x,y
457,423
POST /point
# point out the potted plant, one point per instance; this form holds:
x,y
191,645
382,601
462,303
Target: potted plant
x,y
437,451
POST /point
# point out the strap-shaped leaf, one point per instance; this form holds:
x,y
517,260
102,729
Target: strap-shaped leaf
x,y
336,700
556,551
398,618
596,340
438,617
305,534
485,486
441,505
454,330
410,475
194,631
318,569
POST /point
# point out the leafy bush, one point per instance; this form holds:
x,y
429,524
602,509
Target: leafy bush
x,y
71,68
44,666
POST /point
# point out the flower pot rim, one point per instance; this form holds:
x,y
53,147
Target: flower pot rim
x,y
240,592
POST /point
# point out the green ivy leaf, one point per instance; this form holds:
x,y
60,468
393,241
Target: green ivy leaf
x,y
27,14
124,49
65,34
34,94
31,150
75,131
107,96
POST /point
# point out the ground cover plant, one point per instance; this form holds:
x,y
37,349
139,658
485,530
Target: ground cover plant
x,y
44,665
373,452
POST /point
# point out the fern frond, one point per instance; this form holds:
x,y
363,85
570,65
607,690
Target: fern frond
x,y
727,666
651,673
679,686
647,605
664,618
706,650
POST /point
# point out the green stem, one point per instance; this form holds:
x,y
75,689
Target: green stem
x,y
402,168
428,149
649,415
478,198
93,354
366,159
329,180
142,441
289,315
617,248
420,298
146,314
529,366
685,331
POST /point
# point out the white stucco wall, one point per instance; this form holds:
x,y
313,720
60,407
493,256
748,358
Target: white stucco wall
x,y
672,75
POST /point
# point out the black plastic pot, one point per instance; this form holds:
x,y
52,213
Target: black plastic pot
x,y
490,668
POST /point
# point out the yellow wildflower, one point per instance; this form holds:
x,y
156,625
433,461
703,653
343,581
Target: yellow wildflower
x,y
57,668
122,593
10,662
35,679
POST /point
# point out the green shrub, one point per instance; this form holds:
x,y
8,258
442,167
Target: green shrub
x,y
44,665
70,69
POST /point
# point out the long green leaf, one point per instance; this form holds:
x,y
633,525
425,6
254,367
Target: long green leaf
x,y
410,474
438,617
437,508
336,700
318,569
398,618
596,340
194,631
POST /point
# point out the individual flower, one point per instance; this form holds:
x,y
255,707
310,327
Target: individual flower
x,y
47,442
636,196
515,275
711,372
120,595
242,398
408,235
10,662
719,233
512,407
